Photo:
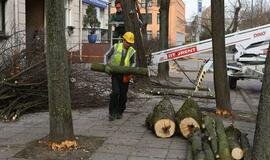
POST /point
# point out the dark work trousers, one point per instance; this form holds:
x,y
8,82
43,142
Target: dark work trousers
x,y
118,96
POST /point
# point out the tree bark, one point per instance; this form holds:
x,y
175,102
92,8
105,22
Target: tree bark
x,y
196,143
188,117
133,24
261,148
120,69
220,69
161,121
209,155
163,68
61,127
209,124
223,145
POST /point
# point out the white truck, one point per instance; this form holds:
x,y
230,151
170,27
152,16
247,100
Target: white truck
x,y
248,63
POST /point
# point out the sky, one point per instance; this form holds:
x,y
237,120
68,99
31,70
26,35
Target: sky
x,y
192,8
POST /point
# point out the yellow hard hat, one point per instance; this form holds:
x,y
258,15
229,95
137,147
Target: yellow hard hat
x,y
129,37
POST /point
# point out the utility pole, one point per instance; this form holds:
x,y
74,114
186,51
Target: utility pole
x,y
109,23
199,29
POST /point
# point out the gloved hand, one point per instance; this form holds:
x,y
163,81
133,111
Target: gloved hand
x,y
108,69
126,78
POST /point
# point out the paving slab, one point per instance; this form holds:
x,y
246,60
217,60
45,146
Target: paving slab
x,y
126,138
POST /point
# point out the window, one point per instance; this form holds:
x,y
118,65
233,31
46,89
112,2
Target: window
x,y
158,3
147,19
68,13
158,18
149,35
2,17
178,22
149,3
158,34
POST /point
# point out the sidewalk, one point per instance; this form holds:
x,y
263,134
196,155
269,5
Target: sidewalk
x,y
126,139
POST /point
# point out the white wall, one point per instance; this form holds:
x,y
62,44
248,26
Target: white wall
x,y
15,21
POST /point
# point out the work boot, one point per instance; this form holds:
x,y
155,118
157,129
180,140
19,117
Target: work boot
x,y
112,117
119,116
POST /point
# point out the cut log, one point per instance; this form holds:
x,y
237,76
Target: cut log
x,y
209,155
209,125
161,121
223,145
120,69
188,117
233,135
196,143
245,146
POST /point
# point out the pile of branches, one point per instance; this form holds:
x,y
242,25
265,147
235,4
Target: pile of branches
x,y
207,137
23,80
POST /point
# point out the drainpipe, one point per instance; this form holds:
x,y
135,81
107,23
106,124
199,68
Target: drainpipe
x,y
80,30
15,22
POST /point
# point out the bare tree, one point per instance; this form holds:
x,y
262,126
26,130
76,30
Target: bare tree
x,y
235,21
256,14
261,148
61,127
163,68
134,24
220,75
232,19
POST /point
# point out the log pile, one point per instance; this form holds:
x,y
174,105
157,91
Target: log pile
x,y
207,137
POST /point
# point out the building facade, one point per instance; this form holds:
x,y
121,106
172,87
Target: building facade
x,y
23,21
176,20
101,7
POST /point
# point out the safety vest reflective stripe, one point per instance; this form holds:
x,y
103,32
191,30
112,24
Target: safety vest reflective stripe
x,y
117,55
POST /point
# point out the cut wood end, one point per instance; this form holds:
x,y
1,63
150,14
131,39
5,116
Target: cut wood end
x,y
164,128
68,144
187,125
222,112
237,153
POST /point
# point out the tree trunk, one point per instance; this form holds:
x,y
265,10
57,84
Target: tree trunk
x,y
133,24
220,69
261,148
120,69
61,127
188,117
223,145
233,136
163,68
161,121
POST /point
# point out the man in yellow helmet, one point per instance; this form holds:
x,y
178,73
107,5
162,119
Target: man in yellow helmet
x,y
121,54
